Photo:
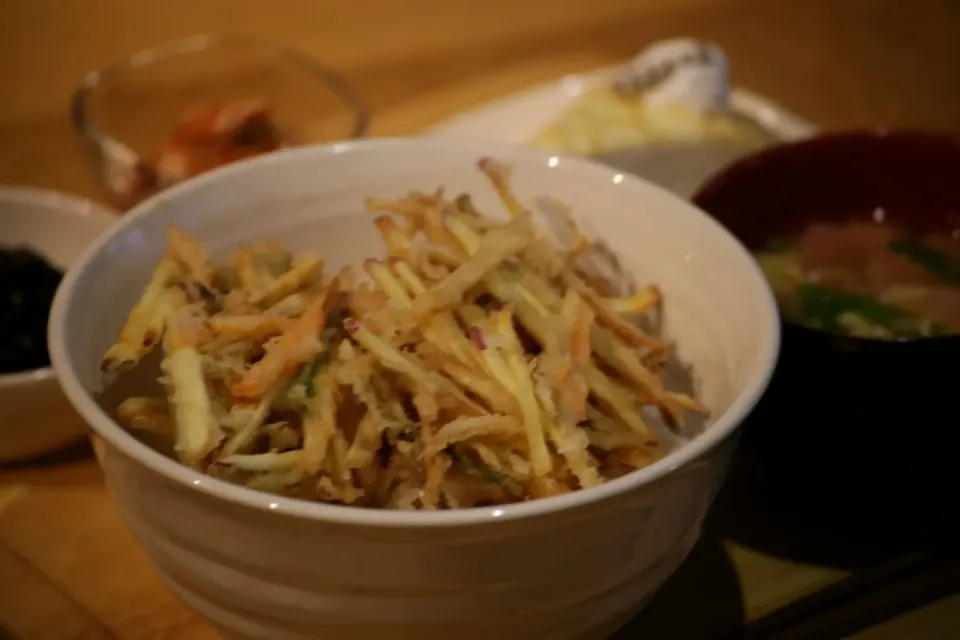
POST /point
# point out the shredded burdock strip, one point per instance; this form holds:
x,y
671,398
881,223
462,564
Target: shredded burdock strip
x,y
642,301
433,484
442,330
523,389
479,362
293,348
499,176
301,274
495,247
535,300
242,439
388,355
146,414
579,318
319,424
250,327
398,243
252,278
270,461
463,429
629,333
190,254
146,322
196,431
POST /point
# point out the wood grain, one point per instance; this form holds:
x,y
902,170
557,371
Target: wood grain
x,y
36,608
69,568
935,621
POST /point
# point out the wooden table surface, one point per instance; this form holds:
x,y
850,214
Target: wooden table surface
x,y
69,569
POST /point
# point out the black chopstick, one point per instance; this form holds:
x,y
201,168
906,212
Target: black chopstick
x,y
863,600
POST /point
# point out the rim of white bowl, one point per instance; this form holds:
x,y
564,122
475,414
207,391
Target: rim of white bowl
x,y
99,214
101,423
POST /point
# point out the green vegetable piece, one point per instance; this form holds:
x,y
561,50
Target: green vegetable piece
x,y
777,245
822,307
306,377
935,329
310,370
943,267
476,467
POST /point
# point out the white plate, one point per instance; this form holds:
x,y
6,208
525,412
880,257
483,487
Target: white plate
x,y
519,116
680,167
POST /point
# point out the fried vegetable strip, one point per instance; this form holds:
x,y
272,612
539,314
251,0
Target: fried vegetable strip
x,y
398,244
145,324
295,347
251,327
190,254
535,300
319,424
524,392
463,429
252,279
579,318
146,414
499,176
270,461
628,332
642,301
302,273
495,247
242,439
196,432
442,330
388,355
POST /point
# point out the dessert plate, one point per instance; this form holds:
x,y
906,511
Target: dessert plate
x,y
670,115
518,117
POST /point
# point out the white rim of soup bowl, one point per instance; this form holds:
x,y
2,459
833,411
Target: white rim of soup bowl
x,y
97,214
718,430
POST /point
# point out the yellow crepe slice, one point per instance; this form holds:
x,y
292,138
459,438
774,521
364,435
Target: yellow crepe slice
x,y
603,121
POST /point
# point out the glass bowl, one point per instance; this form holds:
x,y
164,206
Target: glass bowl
x,y
128,111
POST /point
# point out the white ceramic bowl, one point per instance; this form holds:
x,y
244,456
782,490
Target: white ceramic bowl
x,y
576,566
35,417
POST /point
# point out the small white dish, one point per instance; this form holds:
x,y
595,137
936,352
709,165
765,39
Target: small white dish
x,y
35,417
579,565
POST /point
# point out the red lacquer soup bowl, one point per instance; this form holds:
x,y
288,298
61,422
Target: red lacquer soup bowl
x,y
874,420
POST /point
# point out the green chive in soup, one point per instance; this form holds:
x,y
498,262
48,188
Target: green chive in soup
x,y
866,279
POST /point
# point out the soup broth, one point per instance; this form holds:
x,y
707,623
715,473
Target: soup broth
x,y
867,279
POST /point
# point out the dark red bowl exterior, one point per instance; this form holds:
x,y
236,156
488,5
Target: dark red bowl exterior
x,y
864,419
